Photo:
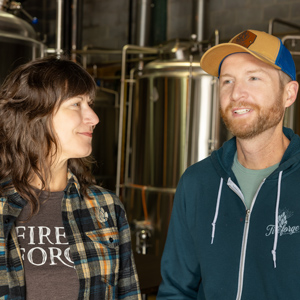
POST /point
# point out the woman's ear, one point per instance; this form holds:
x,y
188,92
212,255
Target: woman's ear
x,y
291,91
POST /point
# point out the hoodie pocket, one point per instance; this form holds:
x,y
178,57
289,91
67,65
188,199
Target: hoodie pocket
x,y
106,244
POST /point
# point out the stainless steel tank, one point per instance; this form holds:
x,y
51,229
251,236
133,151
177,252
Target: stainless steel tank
x,y
175,123
175,114
18,43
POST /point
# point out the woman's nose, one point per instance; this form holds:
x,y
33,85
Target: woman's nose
x,y
91,117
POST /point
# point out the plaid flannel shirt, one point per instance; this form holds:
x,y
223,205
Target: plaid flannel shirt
x,y
99,237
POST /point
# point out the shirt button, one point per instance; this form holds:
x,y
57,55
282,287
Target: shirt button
x,y
111,239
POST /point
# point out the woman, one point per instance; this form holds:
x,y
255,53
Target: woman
x,y
61,236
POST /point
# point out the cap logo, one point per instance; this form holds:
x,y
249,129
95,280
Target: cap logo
x,y
245,39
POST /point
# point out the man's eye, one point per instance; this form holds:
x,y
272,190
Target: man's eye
x,y
254,78
226,81
76,104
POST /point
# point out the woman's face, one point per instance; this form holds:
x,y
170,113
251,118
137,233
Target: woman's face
x,y
74,123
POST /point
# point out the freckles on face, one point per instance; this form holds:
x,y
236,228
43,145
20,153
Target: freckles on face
x,y
73,124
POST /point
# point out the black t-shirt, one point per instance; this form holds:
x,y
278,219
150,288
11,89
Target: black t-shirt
x,y
49,269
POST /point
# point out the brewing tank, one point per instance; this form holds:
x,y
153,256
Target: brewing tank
x,y
174,116
175,123
18,43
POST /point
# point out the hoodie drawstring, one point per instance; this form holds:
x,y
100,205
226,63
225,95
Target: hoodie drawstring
x,y
216,212
276,219
276,216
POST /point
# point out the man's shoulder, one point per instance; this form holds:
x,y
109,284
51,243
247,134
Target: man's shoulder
x,y
202,166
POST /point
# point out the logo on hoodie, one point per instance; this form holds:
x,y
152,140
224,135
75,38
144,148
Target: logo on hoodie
x,y
283,227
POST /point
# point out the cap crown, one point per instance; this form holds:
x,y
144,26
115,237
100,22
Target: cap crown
x,y
261,45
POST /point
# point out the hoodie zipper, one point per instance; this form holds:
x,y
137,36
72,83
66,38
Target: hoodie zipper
x,y
236,189
243,256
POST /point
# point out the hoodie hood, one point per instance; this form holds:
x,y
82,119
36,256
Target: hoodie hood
x,y
222,158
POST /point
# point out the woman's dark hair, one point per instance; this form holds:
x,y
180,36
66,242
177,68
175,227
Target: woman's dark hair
x,y
29,97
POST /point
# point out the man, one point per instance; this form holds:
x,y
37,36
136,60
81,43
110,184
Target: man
x,y
235,226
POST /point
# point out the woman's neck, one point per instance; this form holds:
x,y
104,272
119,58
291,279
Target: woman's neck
x,y
58,180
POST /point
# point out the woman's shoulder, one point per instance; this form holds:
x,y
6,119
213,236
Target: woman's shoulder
x,y
103,196
6,187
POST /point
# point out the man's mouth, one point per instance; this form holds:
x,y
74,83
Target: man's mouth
x,y
241,111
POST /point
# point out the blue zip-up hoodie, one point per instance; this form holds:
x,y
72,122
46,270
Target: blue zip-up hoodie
x,y
217,249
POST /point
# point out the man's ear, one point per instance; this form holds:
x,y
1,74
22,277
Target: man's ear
x,y
291,91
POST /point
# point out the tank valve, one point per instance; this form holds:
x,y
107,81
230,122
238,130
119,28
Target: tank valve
x,y
143,233
17,6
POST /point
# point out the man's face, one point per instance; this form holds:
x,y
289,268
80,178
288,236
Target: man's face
x,y
251,100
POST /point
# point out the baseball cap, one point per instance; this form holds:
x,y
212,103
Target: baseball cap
x,y
266,47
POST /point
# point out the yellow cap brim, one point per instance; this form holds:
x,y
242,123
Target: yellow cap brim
x,y
213,57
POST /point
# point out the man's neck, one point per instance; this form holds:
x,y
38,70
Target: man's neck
x,y
262,151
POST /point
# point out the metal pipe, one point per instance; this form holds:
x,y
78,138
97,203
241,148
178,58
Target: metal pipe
x,y
84,58
188,112
143,22
150,122
109,91
150,188
132,81
215,123
121,111
74,30
182,129
96,51
143,26
217,37
111,51
122,94
275,20
59,14
215,118
200,20
291,37
295,52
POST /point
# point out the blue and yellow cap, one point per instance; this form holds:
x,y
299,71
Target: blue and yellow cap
x,y
266,47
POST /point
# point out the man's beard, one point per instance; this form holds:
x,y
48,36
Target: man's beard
x,y
267,117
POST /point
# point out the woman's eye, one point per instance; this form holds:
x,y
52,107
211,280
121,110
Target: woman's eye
x,y
76,104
